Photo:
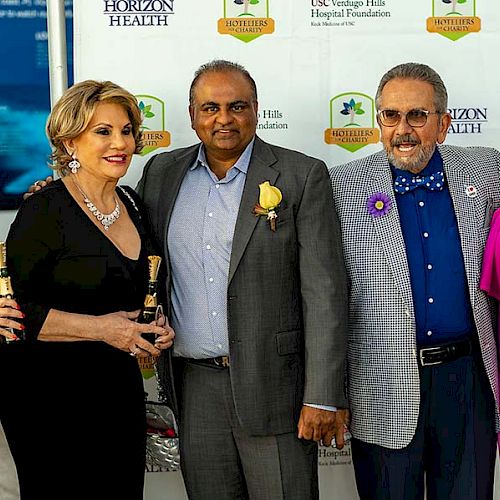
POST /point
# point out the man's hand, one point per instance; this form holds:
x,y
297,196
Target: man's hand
x,y
322,425
36,186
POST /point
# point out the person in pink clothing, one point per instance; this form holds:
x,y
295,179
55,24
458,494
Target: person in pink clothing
x,y
490,275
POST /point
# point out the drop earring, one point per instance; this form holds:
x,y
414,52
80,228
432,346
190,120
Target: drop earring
x,y
74,164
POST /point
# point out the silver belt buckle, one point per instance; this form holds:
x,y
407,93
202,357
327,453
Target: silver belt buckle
x,y
425,350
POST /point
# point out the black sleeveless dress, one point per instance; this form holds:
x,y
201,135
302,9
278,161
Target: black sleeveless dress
x,y
73,412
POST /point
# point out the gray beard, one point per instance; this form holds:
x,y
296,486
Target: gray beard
x,y
415,164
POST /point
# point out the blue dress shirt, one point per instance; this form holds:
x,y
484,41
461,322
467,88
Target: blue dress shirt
x,y
438,281
200,238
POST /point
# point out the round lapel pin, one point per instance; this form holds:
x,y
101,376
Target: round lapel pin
x,y
471,191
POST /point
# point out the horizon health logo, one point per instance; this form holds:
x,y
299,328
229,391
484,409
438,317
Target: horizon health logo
x,y
453,19
246,19
137,12
153,125
352,121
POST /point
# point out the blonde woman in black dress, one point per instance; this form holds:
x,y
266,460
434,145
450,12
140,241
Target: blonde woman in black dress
x,y
77,254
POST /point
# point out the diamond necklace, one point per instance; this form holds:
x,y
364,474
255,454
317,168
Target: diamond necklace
x,y
105,219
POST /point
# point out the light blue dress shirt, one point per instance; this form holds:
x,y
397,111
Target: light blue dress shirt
x,y
200,238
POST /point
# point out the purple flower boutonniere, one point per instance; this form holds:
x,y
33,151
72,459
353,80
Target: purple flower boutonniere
x,y
378,204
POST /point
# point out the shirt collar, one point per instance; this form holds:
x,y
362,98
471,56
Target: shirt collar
x,y
242,163
435,165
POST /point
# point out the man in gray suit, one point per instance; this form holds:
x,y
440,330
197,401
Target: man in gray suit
x,y
422,360
255,290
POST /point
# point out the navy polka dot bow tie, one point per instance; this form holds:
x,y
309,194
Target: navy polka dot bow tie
x,y
405,183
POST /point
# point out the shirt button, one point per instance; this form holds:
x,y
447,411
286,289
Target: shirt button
x,y
421,203
429,333
214,313
429,266
211,280
210,214
208,247
431,300
426,235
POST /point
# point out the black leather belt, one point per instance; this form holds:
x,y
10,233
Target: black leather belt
x,y
439,354
219,362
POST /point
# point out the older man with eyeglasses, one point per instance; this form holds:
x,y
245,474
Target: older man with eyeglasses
x,y
422,357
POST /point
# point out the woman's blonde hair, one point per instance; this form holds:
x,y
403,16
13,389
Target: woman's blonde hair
x,y
74,110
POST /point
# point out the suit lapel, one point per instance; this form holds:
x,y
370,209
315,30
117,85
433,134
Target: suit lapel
x,y
259,170
465,211
388,228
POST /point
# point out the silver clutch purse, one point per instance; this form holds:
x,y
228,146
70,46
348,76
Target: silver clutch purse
x,y
162,438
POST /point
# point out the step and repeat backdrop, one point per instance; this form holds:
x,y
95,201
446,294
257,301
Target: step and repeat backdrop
x,y
317,64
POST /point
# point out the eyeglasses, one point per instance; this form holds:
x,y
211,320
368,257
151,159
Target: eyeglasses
x,y
415,117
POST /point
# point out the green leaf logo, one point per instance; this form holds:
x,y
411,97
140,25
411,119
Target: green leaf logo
x,y
352,108
146,110
154,133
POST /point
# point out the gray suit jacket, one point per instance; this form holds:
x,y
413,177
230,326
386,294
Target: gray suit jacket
x,y
383,378
287,291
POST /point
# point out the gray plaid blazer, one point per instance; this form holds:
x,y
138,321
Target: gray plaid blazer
x,y
383,378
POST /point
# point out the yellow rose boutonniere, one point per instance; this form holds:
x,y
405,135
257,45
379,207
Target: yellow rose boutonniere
x,y
269,199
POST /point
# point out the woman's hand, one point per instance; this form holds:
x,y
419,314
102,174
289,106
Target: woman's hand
x,y
167,340
8,311
121,330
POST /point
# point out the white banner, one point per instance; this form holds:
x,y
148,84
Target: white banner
x,y
317,64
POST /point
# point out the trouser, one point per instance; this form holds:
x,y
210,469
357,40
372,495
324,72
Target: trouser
x,y
219,460
453,446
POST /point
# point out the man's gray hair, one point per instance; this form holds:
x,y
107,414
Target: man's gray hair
x,y
421,72
220,66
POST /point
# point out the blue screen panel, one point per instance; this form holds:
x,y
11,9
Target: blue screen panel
x,y
25,96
